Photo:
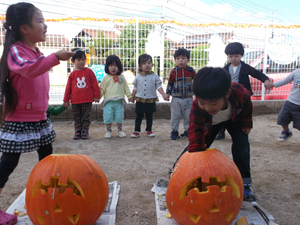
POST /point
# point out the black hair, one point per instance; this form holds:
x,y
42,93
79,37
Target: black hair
x,y
182,52
234,48
78,54
113,59
143,58
211,83
16,15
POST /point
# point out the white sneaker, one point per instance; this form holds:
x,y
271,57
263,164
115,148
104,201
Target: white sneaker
x,y
121,134
107,135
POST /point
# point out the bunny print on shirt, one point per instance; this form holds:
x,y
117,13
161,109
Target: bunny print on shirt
x,y
81,82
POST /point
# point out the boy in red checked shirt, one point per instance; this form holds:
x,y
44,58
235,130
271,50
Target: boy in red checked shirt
x,y
82,90
222,103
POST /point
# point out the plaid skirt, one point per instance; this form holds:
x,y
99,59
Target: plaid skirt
x,y
20,137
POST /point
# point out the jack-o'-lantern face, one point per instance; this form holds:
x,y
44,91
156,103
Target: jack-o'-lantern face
x,y
205,188
66,189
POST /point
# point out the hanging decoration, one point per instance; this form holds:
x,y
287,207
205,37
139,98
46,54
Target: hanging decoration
x,y
141,21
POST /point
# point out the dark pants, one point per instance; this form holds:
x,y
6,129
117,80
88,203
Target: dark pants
x,y
240,148
82,116
9,162
138,121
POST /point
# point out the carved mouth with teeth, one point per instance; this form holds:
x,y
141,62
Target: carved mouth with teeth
x,y
53,187
197,192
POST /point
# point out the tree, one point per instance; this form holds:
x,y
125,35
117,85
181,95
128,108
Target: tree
x,y
127,44
198,57
103,47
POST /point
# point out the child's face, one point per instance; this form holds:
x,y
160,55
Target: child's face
x,y
80,63
146,66
234,59
181,61
213,106
113,69
38,29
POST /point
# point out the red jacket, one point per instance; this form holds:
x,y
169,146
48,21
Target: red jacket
x,y
82,87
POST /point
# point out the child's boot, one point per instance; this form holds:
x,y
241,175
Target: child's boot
x,y
85,134
174,135
77,135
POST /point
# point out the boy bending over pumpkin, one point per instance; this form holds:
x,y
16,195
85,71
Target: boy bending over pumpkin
x,y
221,103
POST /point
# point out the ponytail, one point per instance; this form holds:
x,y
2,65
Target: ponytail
x,y
16,15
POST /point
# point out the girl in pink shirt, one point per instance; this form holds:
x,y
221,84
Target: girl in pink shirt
x,y
24,80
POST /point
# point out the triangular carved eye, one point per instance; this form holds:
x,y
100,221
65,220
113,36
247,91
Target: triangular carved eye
x,y
57,208
74,219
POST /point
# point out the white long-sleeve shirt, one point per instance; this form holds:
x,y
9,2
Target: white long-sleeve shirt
x,y
294,96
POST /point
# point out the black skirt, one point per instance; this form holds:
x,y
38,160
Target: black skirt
x,y
145,107
20,137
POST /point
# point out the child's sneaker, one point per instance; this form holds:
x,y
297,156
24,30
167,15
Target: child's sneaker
x,y
85,135
174,135
185,134
135,134
150,134
6,218
108,134
121,134
77,135
248,193
285,134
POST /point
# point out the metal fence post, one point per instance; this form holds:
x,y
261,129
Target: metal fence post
x,y
265,61
137,45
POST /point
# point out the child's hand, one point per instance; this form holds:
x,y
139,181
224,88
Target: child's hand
x,y
66,104
166,97
63,55
131,99
97,99
268,84
246,130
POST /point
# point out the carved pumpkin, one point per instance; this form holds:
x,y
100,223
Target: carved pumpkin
x,y
205,188
66,190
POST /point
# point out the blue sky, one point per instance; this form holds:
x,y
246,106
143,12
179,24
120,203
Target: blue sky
x,y
248,11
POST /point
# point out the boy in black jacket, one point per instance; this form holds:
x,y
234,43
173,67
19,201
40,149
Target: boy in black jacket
x,y
240,71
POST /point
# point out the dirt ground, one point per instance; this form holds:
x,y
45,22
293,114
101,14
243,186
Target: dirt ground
x,y
137,163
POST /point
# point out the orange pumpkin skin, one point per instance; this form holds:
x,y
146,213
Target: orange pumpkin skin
x,y
205,188
66,190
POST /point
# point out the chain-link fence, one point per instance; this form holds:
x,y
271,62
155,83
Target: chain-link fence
x,y
273,49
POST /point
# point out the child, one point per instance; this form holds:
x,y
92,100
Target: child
x,y
82,90
220,103
291,108
240,71
25,87
180,87
145,85
113,88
